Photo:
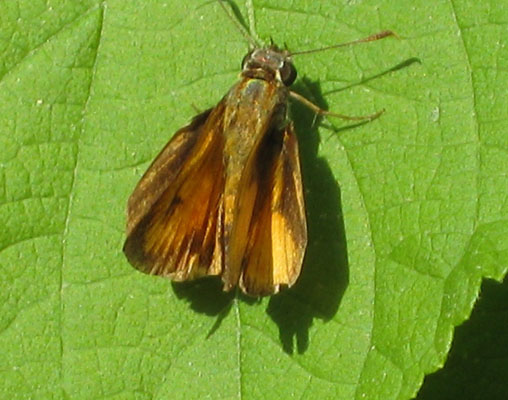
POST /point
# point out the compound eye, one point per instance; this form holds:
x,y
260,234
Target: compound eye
x,y
246,59
288,73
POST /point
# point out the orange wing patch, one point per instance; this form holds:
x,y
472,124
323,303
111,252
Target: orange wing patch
x,y
175,214
277,236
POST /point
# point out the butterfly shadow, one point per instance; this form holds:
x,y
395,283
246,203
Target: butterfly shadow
x,y
206,296
325,273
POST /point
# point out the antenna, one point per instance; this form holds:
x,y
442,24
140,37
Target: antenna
x,y
371,38
253,40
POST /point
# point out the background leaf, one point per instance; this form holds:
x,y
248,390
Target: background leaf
x,y
406,214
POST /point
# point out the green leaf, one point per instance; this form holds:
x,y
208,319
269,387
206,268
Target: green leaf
x,y
407,214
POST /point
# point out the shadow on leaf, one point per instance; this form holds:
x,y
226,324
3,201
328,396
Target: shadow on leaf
x,y
205,295
404,64
325,273
476,367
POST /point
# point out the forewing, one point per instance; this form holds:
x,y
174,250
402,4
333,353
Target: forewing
x,y
174,216
277,235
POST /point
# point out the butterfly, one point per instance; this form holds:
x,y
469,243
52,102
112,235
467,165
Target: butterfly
x,y
225,197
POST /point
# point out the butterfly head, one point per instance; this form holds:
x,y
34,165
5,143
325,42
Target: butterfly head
x,y
269,63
